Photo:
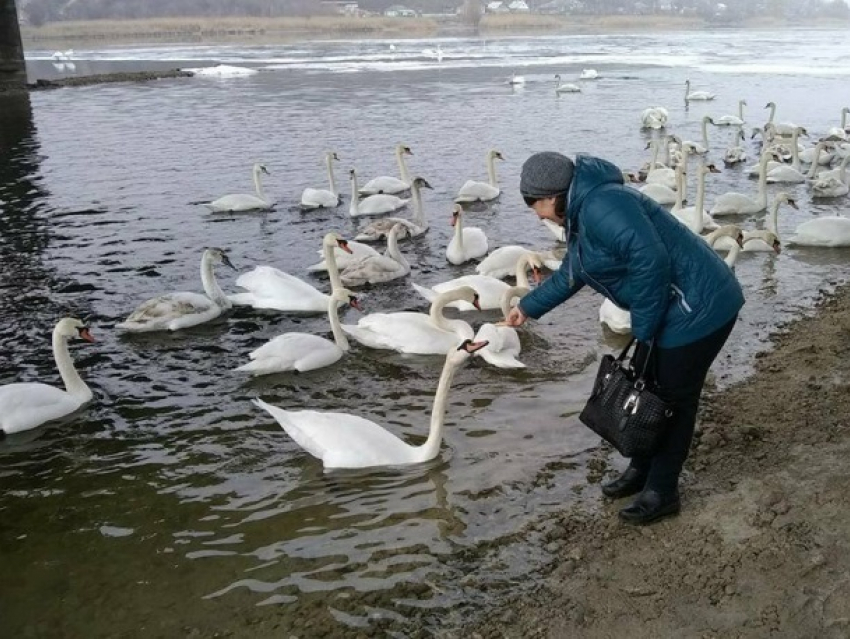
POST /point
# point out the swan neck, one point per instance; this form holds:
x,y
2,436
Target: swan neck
x,y
761,196
843,172
355,197
418,212
437,306
814,167
211,287
508,297
772,113
333,315
431,447
392,247
331,181
402,166
333,270
705,133
491,171
732,255
522,270
700,195
258,186
459,231
795,154
741,109
74,384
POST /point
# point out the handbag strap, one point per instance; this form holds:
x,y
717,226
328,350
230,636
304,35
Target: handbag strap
x,y
641,376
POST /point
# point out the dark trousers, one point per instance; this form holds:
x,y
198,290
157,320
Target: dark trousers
x,y
680,374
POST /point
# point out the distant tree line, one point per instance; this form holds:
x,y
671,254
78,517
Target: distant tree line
x,y
38,12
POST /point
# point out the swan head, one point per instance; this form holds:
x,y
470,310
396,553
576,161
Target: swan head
x,y
464,351
768,237
71,327
348,297
770,105
630,178
219,255
421,183
708,119
532,260
457,213
333,156
333,240
787,199
261,168
727,230
403,149
467,294
497,155
710,168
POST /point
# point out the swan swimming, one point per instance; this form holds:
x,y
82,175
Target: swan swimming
x,y
696,95
174,311
304,352
831,231
323,198
26,405
473,191
566,87
411,228
374,204
503,345
376,269
467,243
342,440
388,184
240,202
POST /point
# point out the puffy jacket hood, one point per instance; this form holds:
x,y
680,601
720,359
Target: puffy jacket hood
x,y
590,172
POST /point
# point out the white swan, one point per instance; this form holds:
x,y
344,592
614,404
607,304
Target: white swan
x,y
240,202
473,191
790,174
502,262
662,193
831,185
388,184
696,217
374,204
174,311
25,405
817,154
782,129
839,173
353,252
416,333
728,230
696,95
654,118
490,289
732,203
342,440
323,198
503,345
830,231
755,240
273,289
588,74
303,351
736,153
695,147
467,243
376,269
732,120
516,79
410,228
617,319
434,53
566,87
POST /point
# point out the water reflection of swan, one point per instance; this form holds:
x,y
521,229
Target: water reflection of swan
x,y
27,405
182,310
241,202
342,440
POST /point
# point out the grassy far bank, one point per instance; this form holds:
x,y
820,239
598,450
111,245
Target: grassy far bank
x,y
249,28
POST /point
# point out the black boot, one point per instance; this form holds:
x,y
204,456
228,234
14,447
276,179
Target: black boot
x,y
651,506
629,483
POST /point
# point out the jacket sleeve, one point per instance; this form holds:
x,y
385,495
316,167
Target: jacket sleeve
x,y
555,290
616,220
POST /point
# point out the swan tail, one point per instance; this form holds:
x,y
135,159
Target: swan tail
x,y
427,293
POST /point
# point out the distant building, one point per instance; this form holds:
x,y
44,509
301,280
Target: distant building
x,y
398,11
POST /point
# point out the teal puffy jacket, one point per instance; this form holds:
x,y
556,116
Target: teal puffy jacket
x,y
634,252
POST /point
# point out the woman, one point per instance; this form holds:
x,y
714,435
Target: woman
x,y
681,296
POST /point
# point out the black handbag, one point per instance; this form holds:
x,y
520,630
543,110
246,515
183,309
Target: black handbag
x,y
623,410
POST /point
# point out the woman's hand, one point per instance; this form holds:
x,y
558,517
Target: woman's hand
x,y
516,317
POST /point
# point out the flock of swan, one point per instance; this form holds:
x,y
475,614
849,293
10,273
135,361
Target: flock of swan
x,y
342,440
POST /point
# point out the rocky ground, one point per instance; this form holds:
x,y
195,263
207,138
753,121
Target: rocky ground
x,y
762,547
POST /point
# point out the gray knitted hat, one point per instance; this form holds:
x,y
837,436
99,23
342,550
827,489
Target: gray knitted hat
x,y
546,174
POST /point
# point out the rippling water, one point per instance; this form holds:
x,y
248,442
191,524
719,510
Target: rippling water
x,y
171,503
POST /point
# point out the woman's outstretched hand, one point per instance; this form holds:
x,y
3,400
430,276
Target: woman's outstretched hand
x,y
516,317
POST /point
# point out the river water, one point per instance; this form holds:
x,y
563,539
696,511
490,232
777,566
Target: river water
x,y
172,505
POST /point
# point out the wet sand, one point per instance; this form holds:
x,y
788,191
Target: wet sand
x,y
761,547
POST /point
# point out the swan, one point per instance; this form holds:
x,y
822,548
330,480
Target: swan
x,y
240,202
374,204
817,154
304,351
322,198
696,147
388,184
782,129
790,174
839,172
736,153
732,120
473,191
696,217
353,252
588,74
489,289
696,95
565,88
467,243
503,346
654,118
434,53
502,262
728,230
830,231
839,133
831,185
732,203
755,240
174,311
273,289
25,405
342,440
516,79
417,333
662,193
376,269
410,228
619,320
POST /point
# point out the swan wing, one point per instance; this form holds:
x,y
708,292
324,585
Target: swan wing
x,y
170,312
379,229
490,291
373,269
272,288
319,198
292,351
730,203
823,231
384,184
359,252
473,191
407,332
26,405
237,202
381,203
501,263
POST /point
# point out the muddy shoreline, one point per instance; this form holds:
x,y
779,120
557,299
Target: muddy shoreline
x,y
761,546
